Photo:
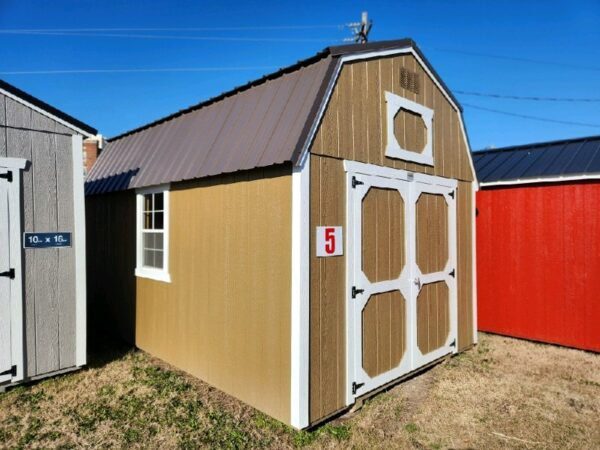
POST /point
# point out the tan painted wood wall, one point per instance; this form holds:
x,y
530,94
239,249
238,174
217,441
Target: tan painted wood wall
x,y
225,317
354,125
354,128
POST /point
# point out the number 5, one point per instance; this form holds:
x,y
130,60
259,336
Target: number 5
x,y
330,240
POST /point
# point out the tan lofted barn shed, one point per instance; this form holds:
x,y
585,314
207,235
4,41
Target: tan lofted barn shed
x,y
300,241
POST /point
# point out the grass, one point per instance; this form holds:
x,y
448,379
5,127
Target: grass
x,y
504,393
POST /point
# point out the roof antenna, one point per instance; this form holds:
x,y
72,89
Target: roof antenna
x,y
360,29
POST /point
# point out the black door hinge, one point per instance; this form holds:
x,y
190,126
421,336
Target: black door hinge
x,y
12,371
355,291
7,176
356,182
356,386
10,273
452,273
453,343
451,194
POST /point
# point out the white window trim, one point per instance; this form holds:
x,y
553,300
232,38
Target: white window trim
x,y
393,148
148,272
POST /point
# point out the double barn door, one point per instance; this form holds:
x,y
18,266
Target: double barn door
x,y
402,299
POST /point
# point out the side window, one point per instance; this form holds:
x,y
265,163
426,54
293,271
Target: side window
x,y
153,234
409,130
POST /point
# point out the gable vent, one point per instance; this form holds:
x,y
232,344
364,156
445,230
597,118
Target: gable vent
x,y
409,80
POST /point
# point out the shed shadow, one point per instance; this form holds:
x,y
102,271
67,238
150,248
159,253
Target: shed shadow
x,y
111,259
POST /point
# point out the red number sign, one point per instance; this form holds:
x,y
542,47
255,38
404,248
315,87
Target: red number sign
x,y
329,241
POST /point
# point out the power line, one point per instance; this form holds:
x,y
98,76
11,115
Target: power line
x,y
525,116
537,99
183,29
518,59
137,70
179,38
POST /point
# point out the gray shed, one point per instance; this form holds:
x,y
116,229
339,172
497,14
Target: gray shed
x,y
42,239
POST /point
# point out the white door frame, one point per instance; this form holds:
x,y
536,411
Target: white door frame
x,y
14,166
395,179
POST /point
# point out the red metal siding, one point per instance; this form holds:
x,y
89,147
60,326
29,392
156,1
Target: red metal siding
x,y
538,262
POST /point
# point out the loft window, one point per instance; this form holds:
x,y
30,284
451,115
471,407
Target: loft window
x,y
409,130
153,234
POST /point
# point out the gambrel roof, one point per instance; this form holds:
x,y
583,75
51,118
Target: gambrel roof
x,y
266,122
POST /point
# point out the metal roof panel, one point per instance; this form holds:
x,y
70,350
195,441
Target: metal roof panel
x,y
570,157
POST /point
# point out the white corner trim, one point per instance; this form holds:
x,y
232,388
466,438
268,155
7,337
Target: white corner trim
x,y
474,256
150,272
80,263
300,325
556,179
376,54
46,113
393,149
17,335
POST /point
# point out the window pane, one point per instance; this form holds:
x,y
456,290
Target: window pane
x,y
149,241
158,259
148,202
158,241
148,258
158,202
158,220
147,218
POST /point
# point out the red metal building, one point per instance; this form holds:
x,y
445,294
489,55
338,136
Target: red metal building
x,y
538,242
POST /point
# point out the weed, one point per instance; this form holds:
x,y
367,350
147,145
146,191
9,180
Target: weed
x,y
30,399
339,432
411,427
225,432
31,434
303,438
590,383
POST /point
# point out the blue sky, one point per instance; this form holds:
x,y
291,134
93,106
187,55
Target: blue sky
x,y
552,49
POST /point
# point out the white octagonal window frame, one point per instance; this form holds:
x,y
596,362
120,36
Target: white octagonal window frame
x,y
393,149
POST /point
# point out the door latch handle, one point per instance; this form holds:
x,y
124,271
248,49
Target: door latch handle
x,y
9,274
417,282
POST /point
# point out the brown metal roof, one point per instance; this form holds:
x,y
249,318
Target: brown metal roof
x,y
262,123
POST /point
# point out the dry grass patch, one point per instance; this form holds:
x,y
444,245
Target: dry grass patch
x,y
504,393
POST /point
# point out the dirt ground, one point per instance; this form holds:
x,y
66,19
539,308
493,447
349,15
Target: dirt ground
x,y
505,393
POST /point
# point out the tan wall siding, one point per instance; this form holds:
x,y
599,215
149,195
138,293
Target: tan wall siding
x,y
327,292
464,231
354,125
225,317
354,128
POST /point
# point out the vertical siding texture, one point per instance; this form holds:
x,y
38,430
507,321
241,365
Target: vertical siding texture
x,y
354,128
354,125
327,292
465,260
538,269
225,317
47,202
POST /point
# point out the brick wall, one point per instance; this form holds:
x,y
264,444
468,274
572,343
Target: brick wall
x,y
90,153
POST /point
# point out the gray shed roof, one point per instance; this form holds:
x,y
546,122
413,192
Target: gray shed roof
x,y
260,124
544,160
